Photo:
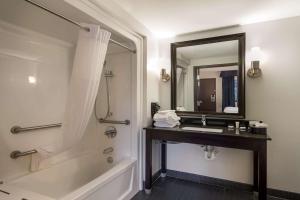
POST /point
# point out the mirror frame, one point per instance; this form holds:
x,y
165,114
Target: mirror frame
x,y
241,37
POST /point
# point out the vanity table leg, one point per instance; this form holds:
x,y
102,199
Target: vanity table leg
x,y
148,164
262,159
255,171
163,159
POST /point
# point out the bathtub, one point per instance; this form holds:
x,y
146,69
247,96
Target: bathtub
x,y
85,177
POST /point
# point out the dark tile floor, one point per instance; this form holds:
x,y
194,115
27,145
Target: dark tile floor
x,y
175,189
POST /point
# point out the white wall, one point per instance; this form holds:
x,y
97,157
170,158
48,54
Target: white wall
x,y
25,54
120,87
26,15
273,98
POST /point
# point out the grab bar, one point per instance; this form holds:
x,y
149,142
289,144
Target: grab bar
x,y
18,129
126,122
17,154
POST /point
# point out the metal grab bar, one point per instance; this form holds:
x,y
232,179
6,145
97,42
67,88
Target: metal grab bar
x,y
18,129
126,122
17,154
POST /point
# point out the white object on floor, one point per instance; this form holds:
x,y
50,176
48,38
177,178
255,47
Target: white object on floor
x,y
84,83
212,130
231,110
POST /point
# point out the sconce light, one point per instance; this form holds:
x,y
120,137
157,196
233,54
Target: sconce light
x,y
164,76
255,57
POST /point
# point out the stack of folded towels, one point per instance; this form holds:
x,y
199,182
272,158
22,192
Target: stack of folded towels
x,y
166,118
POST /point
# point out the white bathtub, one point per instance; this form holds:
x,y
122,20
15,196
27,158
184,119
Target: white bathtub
x,y
85,177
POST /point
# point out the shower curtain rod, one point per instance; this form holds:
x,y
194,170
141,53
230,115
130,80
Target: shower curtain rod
x,y
76,23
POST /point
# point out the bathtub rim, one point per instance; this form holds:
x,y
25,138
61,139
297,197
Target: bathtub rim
x,y
87,189
92,186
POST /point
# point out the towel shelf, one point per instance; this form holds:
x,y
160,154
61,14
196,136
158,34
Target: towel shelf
x,y
18,129
17,154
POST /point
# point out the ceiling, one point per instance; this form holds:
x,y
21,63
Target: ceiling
x,y
219,49
166,18
23,14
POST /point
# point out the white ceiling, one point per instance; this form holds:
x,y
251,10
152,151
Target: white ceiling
x,y
219,49
21,13
172,17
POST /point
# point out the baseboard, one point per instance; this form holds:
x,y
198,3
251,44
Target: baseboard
x,y
283,194
229,184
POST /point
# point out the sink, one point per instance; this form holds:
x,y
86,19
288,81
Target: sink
x,y
212,130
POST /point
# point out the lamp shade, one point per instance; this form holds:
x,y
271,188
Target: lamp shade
x,y
255,54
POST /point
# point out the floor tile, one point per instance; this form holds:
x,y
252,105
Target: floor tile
x,y
176,189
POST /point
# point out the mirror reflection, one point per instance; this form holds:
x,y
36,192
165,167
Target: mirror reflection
x,y
207,78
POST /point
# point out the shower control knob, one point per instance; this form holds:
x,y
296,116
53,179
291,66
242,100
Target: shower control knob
x,y
111,132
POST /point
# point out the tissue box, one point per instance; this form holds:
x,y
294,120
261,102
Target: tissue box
x,y
258,130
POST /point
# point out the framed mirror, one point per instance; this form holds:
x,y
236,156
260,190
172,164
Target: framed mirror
x,y
208,77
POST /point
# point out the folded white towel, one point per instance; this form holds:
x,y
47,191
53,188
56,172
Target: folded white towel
x,y
231,110
166,111
166,118
166,125
169,118
159,117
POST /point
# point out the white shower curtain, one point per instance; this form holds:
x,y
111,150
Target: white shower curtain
x,y
87,69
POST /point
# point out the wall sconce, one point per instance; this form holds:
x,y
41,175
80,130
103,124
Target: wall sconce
x,y
164,76
255,57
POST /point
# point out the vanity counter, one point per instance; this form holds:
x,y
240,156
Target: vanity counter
x,y
226,132
228,138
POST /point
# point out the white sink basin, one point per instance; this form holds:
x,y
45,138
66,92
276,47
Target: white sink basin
x,y
212,130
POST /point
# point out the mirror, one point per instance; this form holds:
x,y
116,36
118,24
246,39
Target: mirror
x,y
208,76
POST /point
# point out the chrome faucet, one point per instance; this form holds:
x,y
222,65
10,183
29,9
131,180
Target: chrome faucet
x,y
203,119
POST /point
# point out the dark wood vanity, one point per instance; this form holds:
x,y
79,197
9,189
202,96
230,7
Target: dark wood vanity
x,y
231,139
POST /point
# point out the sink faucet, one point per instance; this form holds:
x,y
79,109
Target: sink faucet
x,y
203,119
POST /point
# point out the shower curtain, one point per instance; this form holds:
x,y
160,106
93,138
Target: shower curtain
x,y
83,88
